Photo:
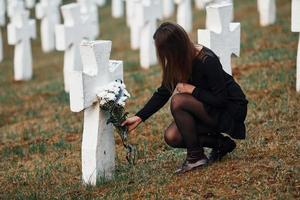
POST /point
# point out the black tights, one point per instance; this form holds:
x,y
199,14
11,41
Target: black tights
x,y
193,127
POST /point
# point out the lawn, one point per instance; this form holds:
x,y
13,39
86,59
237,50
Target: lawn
x,y
40,138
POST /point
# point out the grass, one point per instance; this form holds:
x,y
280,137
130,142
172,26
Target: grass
x,y
40,138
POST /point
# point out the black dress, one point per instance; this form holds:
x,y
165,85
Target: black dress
x,y
222,97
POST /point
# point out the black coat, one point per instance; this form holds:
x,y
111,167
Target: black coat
x,y
221,95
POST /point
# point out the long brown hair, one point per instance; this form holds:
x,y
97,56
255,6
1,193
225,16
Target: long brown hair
x,y
175,52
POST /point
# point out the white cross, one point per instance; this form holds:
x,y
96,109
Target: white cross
x,y
267,12
68,38
208,21
148,12
30,3
117,7
184,14
2,23
296,28
201,4
15,6
20,31
101,3
48,12
89,10
168,8
223,37
129,6
98,144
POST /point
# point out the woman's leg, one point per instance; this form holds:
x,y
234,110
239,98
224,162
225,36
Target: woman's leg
x,y
220,144
207,137
187,111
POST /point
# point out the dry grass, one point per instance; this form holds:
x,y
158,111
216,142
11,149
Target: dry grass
x,y
40,138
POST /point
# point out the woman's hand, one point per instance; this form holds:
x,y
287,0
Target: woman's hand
x,y
132,122
184,88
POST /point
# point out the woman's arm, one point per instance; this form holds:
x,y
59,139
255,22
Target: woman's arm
x,y
214,73
157,101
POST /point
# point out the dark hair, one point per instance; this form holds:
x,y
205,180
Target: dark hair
x,y
175,52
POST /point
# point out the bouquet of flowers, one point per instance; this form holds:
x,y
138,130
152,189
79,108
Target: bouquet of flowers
x,y
112,99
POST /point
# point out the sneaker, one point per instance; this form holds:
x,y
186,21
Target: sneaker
x,y
226,145
188,165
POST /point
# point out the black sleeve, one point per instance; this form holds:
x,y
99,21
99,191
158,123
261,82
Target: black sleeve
x,y
212,70
157,101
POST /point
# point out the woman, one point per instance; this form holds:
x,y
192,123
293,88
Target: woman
x,y
206,100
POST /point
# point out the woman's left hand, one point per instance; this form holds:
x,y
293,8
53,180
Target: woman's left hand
x,y
184,88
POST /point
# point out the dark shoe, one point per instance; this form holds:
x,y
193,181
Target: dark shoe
x,y
188,165
226,145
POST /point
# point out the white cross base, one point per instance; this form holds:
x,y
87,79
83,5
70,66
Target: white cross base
x,y
48,12
1,46
117,7
223,37
30,3
20,31
296,28
2,23
184,14
267,12
168,8
98,145
148,12
132,9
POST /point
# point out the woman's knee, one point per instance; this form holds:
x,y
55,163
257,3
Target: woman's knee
x,y
172,138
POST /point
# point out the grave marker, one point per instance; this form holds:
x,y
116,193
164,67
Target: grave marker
x,y
168,8
48,12
30,3
14,7
129,4
222,36
20,30
296,28
148,12
184,14
2,23
69,36
98,144
117,8
267,12
89,10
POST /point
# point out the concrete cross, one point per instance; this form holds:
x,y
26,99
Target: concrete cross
x,y
211,2
296,28
148,12
89,10
201,4
2,23
48,12
30,3
184,14
267,12
101,3
129,6
20,30
168,8
15,6
69,36
222,37
98,144
117,7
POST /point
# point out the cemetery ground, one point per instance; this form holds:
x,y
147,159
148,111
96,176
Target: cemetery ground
x,y
40,138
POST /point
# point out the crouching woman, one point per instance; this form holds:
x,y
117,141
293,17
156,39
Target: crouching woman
x,y
206,101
